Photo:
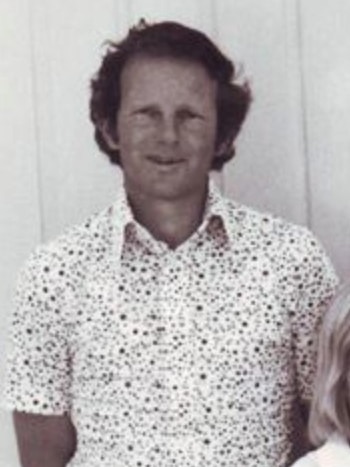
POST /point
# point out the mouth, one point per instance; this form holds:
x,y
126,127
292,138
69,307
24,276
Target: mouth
x,y
165,161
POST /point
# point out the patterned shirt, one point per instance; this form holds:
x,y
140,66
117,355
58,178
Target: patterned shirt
x,y
192,357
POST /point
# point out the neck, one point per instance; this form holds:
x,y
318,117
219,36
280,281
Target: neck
x,y
169,220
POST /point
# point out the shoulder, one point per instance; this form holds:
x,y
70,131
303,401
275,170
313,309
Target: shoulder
x,y
309,460
76,247
271,230
292,251
335,452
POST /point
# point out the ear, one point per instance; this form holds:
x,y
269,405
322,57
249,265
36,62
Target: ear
x,y
109,135
222,148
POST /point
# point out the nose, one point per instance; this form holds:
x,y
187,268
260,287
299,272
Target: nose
x,y
169,131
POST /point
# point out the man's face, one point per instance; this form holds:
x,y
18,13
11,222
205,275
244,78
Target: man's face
x,y
166,127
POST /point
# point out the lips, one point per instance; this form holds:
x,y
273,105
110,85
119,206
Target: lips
x,y
164,160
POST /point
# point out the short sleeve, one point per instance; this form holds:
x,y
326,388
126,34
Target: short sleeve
x,y
314,283
38,362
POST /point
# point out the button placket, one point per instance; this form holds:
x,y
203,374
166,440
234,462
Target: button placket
x,y
172,331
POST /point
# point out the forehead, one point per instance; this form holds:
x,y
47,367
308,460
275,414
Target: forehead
x,y
145,76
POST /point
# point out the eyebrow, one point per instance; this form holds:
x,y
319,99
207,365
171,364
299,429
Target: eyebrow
x,y
191,110
144,108
156,108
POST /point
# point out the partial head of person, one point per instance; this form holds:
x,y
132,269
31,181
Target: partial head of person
x,y
157,61
330,409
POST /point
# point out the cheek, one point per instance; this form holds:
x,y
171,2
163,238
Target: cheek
x,y
135,135
129,139
200,137
203,132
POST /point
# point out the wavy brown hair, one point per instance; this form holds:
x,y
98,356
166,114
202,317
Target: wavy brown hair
x,y
169,39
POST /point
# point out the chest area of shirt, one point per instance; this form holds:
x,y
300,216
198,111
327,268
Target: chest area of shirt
x,y
166,315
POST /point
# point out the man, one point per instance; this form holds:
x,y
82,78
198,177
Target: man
x,y
176,328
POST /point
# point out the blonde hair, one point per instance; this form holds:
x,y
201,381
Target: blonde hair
x,y
330,408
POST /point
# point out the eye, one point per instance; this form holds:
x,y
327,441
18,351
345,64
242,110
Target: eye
x,y
188,114
146,112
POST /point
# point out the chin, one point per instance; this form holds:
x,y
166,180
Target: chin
x,y
171,192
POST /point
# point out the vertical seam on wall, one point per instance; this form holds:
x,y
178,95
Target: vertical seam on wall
x,y
303,103
212,8
34,87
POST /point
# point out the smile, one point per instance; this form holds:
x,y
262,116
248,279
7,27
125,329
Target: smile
x,y
165,161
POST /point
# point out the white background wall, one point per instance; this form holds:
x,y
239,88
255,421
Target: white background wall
x,y
293,154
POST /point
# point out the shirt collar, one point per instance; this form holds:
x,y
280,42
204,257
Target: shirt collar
x,y
339,439
216,210
334,452
121,216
